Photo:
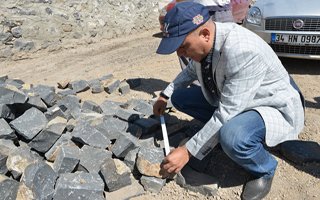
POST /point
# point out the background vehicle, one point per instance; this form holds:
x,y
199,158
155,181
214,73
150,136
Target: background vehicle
x,y
291,27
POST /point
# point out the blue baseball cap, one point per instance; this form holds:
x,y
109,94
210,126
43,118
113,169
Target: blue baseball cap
x,y
178,22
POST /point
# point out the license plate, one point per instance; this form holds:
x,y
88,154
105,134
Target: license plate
x,y
295,39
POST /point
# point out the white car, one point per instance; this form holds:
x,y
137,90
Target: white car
x,y
291,27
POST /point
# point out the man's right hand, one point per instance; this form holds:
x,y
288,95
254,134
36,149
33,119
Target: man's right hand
x,y
159,106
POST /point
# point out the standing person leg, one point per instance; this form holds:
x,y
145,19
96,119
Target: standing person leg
x,y
242,139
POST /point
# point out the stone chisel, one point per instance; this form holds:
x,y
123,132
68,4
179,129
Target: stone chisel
x,y
165,135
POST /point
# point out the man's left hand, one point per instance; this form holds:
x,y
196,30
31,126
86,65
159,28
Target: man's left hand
x,y
176,160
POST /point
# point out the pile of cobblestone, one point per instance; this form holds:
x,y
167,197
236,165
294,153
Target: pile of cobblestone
x,y
53,145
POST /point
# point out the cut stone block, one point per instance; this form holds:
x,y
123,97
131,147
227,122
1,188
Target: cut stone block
x,y
8,188
35,101
19,159
152,184
6,112
11,95
86,134
71,124
54,112
128,115
148,125
30,123
24,192
4,153
112,87
149,160
124,88
123,145
47,137
96,86
115,174
127,192
70,105
197,182
92,106
40,178
141,106
65,140
15,82
79,86
66,92
46,93
106,77
5,131
67,159
134,130
92,158
130,158
3,79
79,185
110,107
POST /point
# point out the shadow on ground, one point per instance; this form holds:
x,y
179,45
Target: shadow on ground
x,y
301,66
151,85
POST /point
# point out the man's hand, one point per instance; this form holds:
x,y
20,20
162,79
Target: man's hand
x,y
176,160
159,106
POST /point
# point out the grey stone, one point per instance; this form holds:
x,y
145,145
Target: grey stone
x,y
4,153
66,92
130,158
148,125
152,184
197,182
71,124
8,188
3,79
35,101
106,77
5,131
16,32
134,82
48,136
46,93
96,86
11,95
54,112
115,174
30,123
79,86
124,88
123,145
19,159
92,158
6,112
110,107
65,140
112,87
141,106
128,115
110,127
5,37
23,45
15,82
86,134
70,105
92,106
79,185
149,160
40,178
128,192
67,159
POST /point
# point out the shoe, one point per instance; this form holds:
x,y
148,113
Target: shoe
x,y
257,188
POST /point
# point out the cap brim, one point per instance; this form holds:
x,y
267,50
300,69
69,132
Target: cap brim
x,y
170,45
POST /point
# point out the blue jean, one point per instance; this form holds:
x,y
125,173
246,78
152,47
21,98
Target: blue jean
x,y
241,138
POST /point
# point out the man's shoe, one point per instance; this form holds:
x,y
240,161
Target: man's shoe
x,y
257,188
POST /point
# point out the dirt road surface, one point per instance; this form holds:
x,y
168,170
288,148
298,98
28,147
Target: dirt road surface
x,y
134,56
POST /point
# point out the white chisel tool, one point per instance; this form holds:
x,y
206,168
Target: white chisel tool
x,y
165,135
